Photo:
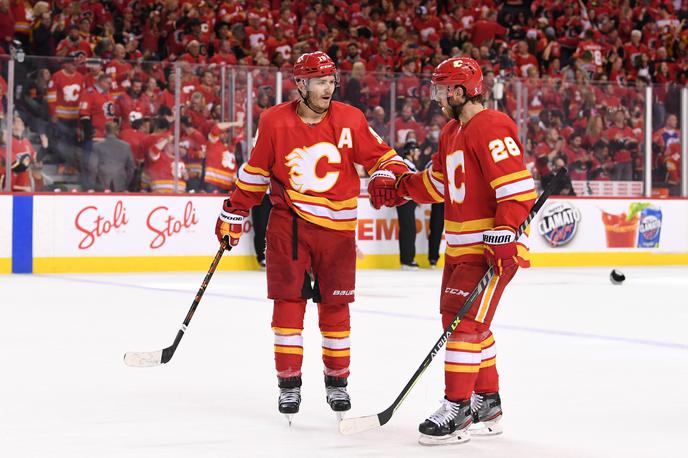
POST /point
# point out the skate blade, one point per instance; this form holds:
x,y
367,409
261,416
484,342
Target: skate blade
x,y
340,416
457,437
486,429
289,417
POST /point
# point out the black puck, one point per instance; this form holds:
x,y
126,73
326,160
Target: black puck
x,y
617,277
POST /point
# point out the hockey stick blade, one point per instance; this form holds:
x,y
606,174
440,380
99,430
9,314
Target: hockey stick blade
x,y
358,425
157,358
143,358
355,425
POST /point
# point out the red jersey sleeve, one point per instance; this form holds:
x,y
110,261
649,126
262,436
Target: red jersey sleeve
x,y
500,155
253,178
371,151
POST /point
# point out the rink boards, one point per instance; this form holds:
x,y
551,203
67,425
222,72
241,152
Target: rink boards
x,y
128,233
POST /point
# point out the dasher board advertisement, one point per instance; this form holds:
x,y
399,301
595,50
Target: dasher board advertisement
x,y
141,231
611,225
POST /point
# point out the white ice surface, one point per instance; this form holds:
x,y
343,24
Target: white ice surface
x,y
587,369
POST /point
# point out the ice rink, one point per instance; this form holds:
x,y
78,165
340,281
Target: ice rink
x,y
587,369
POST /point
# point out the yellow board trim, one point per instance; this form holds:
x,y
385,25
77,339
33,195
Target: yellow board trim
x,y
336,353
333,204
510,177
608,259
470,225
429,187
369,261
289,350
465,346
286,331
336,334
256,170
463,368
252,188
5,265
141,264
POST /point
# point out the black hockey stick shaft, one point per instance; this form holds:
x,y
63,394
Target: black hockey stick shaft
x,y
168,352
386,415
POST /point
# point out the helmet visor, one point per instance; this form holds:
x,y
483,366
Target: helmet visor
x,y
439,92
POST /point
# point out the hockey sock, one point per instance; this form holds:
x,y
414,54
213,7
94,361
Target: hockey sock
x,y
488,378
461,365
334,327
287,324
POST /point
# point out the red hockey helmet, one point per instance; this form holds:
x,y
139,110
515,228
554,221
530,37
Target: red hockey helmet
x,y
459,71
314,65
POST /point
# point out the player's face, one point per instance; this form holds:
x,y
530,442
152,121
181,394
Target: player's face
x,y
320,91
440,94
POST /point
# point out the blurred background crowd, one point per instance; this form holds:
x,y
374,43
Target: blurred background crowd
x,y
98,76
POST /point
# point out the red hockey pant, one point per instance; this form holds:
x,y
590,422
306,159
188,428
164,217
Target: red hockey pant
x,y
470,359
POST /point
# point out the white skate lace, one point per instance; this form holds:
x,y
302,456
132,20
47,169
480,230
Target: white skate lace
x,y
289,395
337,393
447,411
476,402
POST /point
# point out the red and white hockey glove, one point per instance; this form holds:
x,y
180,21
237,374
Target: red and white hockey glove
x,y
230,223
382,190
500,249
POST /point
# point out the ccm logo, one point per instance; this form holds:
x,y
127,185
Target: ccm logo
x,y
458,292
344,292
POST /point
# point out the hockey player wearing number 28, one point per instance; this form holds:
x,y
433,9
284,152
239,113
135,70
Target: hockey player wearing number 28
x,y
305,152
479,174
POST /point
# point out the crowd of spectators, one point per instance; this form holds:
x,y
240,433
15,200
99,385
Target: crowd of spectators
x,y
571,73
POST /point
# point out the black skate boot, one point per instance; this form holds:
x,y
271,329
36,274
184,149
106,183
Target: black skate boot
x,y
487,414
289,396
337,397
448,425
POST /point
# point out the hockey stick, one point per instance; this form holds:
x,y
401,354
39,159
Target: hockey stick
x,y
360,424
156,358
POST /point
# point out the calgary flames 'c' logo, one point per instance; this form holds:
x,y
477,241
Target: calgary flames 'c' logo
x,y
303,161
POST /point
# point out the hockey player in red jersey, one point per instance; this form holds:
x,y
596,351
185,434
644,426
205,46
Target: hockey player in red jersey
x,y
305,152
479,174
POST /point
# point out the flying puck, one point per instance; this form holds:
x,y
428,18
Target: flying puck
x,y
617,277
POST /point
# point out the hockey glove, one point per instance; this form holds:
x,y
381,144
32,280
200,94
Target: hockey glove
x,y
500,249
230,223
382,190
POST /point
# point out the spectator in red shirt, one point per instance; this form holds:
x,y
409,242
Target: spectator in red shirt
x,y
486,30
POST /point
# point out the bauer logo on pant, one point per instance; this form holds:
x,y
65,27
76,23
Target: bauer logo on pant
x,y
558,223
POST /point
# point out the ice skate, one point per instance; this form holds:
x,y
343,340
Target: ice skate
x,y
289,397
487,414
337,397
448,425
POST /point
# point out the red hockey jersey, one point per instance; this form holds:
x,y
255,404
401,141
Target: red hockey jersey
x,y
479,174
220,165
64,92
310,168
99,107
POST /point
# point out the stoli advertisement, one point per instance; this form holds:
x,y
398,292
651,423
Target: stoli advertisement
x,y
123,225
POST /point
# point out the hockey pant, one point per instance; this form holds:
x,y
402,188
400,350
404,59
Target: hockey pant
x,y
470,358
305,261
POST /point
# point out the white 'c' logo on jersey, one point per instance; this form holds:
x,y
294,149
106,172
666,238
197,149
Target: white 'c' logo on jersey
x,y
302,163
456,167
